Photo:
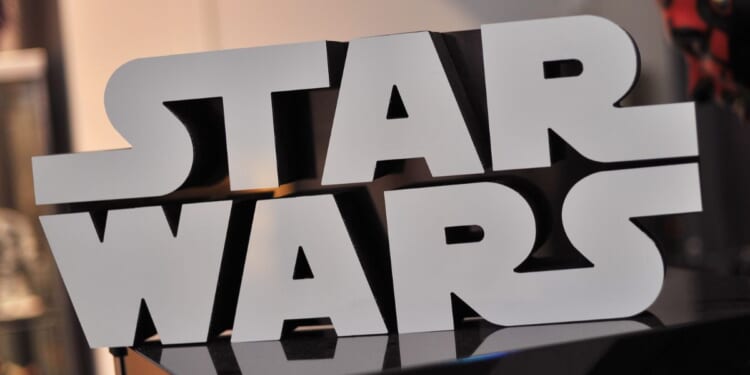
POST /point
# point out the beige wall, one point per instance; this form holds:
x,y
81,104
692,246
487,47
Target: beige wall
x,y
100,35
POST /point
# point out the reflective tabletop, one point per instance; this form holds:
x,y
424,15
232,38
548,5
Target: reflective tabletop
x,y
699,321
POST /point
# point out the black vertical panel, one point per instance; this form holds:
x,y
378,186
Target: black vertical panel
x,y
40,27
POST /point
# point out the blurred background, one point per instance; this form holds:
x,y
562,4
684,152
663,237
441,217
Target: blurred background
x,y
57,55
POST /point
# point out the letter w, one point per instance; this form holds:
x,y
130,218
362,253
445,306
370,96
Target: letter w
x,y
139,258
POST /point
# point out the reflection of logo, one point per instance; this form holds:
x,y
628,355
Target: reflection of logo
x,y
370,254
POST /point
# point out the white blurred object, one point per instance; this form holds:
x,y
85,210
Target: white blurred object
x,y
18,266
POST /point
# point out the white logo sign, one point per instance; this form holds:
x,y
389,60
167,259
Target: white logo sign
x,y
188,278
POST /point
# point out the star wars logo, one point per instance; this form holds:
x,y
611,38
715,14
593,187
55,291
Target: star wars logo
x,y
372,182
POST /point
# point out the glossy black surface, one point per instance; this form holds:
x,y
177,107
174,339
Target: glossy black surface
x,y
700,321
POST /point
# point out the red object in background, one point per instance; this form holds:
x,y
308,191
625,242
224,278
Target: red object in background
x,y
714,36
